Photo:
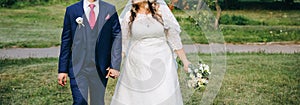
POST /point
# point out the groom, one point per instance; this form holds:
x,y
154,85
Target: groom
x,y
90,50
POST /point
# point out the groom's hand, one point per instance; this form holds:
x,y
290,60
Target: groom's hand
x,y
112,73
62,79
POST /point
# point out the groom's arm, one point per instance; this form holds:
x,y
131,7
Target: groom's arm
x,y
116,53
66,43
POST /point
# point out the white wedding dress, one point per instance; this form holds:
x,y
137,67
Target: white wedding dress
x,y
149,71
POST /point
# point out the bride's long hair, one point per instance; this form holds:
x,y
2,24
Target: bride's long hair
x,y
153,8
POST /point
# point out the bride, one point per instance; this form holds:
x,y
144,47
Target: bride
x,y
151,43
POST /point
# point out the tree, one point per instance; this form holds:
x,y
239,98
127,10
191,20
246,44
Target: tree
x,y
214,3
289,2
218,8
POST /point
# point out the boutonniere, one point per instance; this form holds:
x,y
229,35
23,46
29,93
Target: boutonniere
x,y
79,21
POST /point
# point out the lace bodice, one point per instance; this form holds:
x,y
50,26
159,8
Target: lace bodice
x,y
145,26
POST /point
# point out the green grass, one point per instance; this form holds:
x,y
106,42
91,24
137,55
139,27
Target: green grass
x,y
37,27
246,34
251,78
269,17
247,26
242,33
31,82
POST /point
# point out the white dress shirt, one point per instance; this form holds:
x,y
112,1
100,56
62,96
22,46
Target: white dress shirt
x,y
87,9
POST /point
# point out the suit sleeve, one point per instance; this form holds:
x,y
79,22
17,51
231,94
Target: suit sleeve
x,y
66,43
116,53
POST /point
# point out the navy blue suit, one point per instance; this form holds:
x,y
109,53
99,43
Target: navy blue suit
x,y
107,49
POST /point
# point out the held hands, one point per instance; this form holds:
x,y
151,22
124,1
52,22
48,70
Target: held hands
x,y
62,79
112,73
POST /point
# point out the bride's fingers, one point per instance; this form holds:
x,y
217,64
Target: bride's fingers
x,y
117,73
109,72
186,68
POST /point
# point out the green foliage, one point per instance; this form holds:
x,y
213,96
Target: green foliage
x,y
237,20
24,3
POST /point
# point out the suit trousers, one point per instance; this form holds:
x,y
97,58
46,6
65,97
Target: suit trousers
x,y
87,85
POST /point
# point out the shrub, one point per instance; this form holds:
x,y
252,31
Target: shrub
x,y
24,3
237,20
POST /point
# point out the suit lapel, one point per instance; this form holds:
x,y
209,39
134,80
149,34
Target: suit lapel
x,y
79,9
101,16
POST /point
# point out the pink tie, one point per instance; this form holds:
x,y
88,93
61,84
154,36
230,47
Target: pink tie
x,y
92,16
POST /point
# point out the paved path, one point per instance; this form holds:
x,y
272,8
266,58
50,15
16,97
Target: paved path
x,y
202,48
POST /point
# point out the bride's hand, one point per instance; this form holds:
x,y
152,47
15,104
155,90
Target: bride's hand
x,y
186,65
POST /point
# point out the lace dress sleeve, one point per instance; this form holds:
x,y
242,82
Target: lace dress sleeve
x,y
125,32
173,37
172,27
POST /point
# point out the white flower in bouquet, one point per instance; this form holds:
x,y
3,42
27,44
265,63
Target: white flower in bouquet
x,y
196,70
189,70
192,76
200,83
205,81
201,67
206,67
190,83
199,75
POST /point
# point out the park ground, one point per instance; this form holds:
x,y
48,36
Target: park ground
x,y
251,78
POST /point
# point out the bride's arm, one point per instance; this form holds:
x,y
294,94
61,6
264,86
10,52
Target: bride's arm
x,y
181,54
173,37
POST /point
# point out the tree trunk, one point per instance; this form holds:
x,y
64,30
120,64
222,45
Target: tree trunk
x,y
200,4
218,8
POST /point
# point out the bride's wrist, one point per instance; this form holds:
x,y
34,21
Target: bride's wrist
x,y
186,63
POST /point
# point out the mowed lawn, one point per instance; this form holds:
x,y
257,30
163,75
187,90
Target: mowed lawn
x,y
38,26
251,78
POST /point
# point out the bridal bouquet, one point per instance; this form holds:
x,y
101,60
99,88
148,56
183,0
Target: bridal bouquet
x,y
198,75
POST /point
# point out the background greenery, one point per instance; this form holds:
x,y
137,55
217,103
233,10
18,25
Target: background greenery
x,y
40,25
25,3
251,78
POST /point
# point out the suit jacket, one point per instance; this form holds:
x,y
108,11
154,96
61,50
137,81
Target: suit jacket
x,y
108,46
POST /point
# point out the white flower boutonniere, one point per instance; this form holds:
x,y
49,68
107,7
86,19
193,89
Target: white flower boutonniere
x,y
79,21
